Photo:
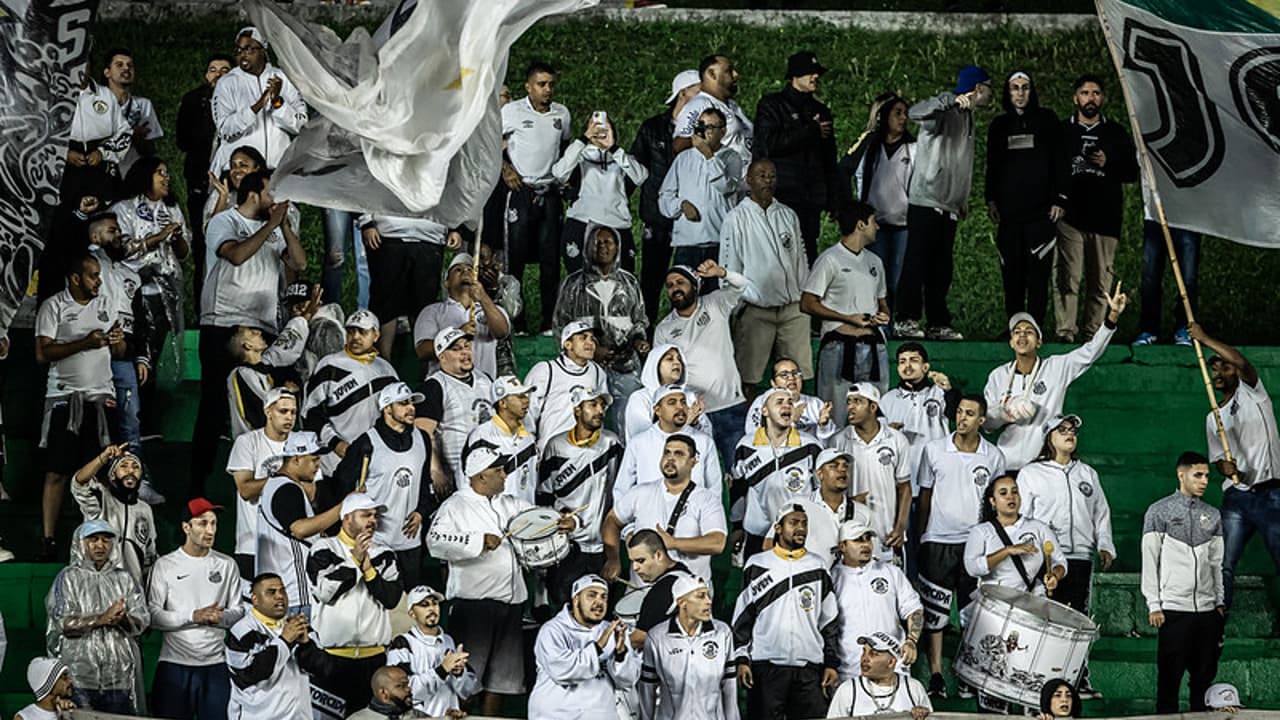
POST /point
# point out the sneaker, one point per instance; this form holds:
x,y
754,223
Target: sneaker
x,y
937,686
546,333
963,690
48,551
1182,337
1065,339
1145,338
908,330
1087,691
5,555
149,494
945,332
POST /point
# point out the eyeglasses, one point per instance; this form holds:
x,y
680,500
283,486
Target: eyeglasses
x,y
787,374
1067,429
246,49
709,126
163,172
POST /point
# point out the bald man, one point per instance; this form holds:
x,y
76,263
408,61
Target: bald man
x,y
392,697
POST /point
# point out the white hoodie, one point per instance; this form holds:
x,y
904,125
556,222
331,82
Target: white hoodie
x,y
270,130
457,537
602,195
576,679
1068,498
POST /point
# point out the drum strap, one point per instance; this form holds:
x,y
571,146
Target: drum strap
x,y
1017,559
678,510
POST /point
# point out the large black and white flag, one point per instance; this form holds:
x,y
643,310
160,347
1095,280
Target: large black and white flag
x,y
42,61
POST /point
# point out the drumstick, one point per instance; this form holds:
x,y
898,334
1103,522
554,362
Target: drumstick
x,y
550,525
364,474
628,583
1048,562
514,529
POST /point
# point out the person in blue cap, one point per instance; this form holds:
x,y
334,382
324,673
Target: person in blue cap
x,y
939,198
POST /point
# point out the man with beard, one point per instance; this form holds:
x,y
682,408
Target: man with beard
x,y
261,367
785,641
1023,394
1022,191
873,596
641,461
576,471
772,466
830,506
255,104
392,697
1249,420
812,415
881,686
881,468
760,238
688,516
392,464
77,332
106,488
1099,159
253,244
607,296
194,596
439,676
342,394
96,612
139,113
267,651
954,473
582,660
700,326
355,583
50,682
688,661
718,85
469,306
455,401
796,131
506,435
250,464
551,382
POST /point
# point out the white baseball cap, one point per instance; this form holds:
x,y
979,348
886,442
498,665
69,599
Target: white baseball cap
x,y
866,390
276,394
577,327
254,33
579,394
359,501
303,442
767,394
363,320
43,674
830,455
856,527
395,392
786,510
882,642
417,595
1057,420
447,337
1024,317
678,83
460,259
481,459
684,585
506,386
1222,695
666,390
588,581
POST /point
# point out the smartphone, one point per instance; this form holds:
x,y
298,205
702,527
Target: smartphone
x,y
600,117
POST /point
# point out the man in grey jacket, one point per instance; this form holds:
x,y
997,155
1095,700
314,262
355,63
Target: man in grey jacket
x,y
939,197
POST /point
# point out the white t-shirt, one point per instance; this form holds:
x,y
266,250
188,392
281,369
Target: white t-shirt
x,y
876,597
451,313
847,282
534,138
878,468
1250,422
257,452
650,505
248,293
62,319
705,341
958,480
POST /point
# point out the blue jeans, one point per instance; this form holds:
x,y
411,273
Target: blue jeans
x,y
119,702
128,428
1243,513
891,247
830,383
182,692
339,226
726,430
1155,254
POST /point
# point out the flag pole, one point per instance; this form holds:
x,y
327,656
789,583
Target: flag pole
x,y
475,267
1149,176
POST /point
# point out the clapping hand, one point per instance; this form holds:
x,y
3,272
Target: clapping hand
x,y
455,662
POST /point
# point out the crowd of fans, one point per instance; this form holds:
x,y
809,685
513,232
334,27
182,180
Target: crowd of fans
x,y
858,516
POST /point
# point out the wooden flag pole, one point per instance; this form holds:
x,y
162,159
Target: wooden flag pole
x,y
1149,176
475,267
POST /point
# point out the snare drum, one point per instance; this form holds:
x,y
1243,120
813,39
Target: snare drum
x,y
536,539
1017,641
628,607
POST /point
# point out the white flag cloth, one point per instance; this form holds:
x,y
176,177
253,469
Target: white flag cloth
x,y
408,121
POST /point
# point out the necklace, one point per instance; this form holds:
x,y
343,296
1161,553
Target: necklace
x,y
877,699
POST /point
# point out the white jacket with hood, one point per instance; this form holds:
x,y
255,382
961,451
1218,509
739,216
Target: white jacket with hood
x,y
1068,498
576,679
639,414
602,191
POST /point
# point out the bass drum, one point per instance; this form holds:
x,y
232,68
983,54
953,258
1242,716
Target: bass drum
x,y
1016,641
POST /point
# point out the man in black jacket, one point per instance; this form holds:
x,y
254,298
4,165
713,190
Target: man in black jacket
x,y
1022,194
196,134
1098,159
652,148
796,131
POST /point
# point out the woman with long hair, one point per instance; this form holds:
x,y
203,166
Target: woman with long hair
x,y
1058,700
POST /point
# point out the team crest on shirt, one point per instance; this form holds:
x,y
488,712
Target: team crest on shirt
x,y
142,531
1235,408
557,124
879,586
1204,521
786,240
102,316
981,475
512,215
710,649
1027,538
872,270
796,480
886,455
932,407
402,477
100,107
482,409
1039,388
806,599
1086,489
130,287
703,319
215,576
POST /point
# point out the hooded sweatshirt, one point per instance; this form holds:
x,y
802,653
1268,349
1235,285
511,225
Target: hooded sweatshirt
x,y
576,679
607,298
1024,161
943,166
606,178
100,658
1068,498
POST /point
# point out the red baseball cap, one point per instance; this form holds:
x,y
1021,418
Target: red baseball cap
x,y
200,506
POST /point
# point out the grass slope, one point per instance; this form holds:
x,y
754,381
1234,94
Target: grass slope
x,y
625,68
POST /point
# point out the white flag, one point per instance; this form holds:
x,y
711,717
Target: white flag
x,y
408,119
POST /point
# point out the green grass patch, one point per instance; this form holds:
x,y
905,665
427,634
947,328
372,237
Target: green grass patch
x,y
626,69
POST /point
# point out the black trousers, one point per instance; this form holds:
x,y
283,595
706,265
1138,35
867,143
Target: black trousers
x,y
654,263
533,234
779,692
1025,273
561,576
211,417
1190,643
810,225
197,196
410,565
926,271
347,679
1074,590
